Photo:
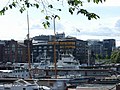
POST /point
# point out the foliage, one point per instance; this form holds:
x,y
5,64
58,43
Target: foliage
x,y
45,6
115,57
101,59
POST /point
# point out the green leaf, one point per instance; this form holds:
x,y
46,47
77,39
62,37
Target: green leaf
x,y
48,24
97,1
28,5
47,17
2,12
13,4
50,6
36,5
6,8
45,25
10,6
88,0
82,11
70,10
42,11
21,10
59,9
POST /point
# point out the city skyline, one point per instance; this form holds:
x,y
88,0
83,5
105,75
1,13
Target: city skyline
x,y
14,24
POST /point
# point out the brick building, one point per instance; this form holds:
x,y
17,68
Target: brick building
x,y
15,52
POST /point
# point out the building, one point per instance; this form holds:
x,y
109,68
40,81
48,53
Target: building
x,y
68,45
28,44
60,35
95,50
76,47
15,52
42,50
100,49
43,38
49,37
2,44
42,47
108,46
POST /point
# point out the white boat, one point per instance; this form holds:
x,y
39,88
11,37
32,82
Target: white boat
x,y
66,61
21,84
42,61
15,73
96,87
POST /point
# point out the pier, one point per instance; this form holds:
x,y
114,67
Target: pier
x,y
98,73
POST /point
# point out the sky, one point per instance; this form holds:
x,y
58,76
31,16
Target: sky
x,y
13,25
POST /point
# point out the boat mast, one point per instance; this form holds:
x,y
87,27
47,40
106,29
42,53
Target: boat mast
x,y
54,16
28,41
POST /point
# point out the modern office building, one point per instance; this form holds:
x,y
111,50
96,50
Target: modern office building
x,y
108,46
95,50
96,47
100,49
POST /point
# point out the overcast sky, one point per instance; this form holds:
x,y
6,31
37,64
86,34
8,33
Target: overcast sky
x,y
13,25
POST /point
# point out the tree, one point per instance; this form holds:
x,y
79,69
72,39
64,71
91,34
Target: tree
x,y
115,57
45,6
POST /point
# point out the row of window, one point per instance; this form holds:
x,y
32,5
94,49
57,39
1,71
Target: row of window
x,y
42,50
13,52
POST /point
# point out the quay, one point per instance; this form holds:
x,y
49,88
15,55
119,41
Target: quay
x,y
98,73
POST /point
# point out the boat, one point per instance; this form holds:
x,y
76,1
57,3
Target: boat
x,y
107,81
15,73
77,81
66,61
21,84
96,87
41,62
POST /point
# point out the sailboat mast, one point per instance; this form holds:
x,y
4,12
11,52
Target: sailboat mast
x,y
55,65
28,45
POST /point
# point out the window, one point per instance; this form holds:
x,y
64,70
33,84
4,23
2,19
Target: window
x,y
40,50
50,46
40,47
35,50
7,88
24,88
45,47
13,47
